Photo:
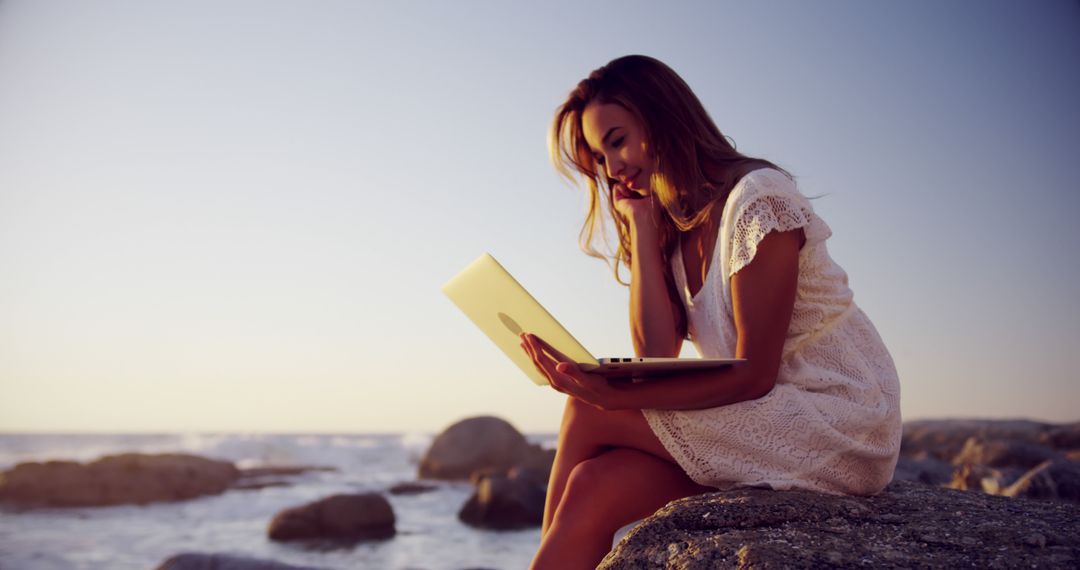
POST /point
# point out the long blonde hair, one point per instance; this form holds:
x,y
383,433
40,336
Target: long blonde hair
x,y
695,165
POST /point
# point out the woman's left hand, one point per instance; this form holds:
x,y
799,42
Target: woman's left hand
x,y
564,375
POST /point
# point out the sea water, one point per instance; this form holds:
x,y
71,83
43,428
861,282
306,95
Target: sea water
x,y
429,534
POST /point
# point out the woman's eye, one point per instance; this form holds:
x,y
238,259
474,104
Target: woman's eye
x,y
617,142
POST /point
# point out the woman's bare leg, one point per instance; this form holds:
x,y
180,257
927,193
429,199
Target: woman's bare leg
x,y
586,432
602,495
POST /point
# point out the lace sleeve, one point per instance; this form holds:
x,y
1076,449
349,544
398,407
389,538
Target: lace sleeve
x,y
772,206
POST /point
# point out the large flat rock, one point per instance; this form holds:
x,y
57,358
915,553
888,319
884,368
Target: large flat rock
x,y
116,479
908,525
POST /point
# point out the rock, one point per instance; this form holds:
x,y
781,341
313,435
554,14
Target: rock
x,y
283,470
1064,437
1003,453
907,525
339,517
538,462
480,474
116,479
271,476
974,477
1058,480
473,444
198,561
503,503
927,470
943,439
536,477
259,485
411,488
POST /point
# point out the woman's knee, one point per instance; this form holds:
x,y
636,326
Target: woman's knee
x,y
577,413
583,423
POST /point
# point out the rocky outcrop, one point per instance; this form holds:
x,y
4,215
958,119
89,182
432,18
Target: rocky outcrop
x,y
116,479
474,444
1011,458
411,488
944,439
971,493
908,525
348,518
199,561
271,476
510,474
505,502
134,478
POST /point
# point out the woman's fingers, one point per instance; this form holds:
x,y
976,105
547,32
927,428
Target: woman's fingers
x,y
555,354
569,378
543,364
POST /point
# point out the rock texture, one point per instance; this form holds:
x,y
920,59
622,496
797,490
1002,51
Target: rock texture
x,y
270,476
199,561
116,479
1012,458
502,503
944,439
474,444
509,473
908,525
133,478
411,488
348,518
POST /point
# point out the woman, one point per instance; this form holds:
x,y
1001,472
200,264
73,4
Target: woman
x,y
724,251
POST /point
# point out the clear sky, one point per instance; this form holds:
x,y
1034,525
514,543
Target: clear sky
x,y
237,215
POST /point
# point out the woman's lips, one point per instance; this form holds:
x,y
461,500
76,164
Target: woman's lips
x,y
631,180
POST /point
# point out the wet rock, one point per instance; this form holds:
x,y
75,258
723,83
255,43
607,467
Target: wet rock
x,y
536,463
927,470
1064,437
349,518
273,476
283,470
943,439
907,525
198,561
130,478
503,503
259,485
474,444
1003,453
1052,480
411,488
533,476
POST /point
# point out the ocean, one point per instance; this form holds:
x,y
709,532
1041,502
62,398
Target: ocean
x,y
429,535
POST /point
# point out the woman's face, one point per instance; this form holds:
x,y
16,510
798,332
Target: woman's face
x,y
617,141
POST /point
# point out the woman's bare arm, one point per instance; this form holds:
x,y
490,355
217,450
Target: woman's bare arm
x,y
763,297
652,318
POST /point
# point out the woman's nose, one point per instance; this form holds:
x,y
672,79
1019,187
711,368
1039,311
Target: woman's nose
x,y
614,168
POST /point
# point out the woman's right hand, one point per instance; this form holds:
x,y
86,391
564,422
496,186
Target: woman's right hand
x,y
636,207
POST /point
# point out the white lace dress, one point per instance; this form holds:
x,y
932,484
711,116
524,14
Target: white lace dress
x,y
832,422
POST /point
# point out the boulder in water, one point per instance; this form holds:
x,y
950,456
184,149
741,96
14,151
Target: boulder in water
x,y
116,479
366,516
474,444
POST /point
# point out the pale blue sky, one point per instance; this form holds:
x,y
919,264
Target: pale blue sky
x,y
237,215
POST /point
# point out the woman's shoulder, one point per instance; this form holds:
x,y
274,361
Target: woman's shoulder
x,y
769,178
761,182
769,198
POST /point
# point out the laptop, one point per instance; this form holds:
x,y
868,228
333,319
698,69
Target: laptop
x,y
503,309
